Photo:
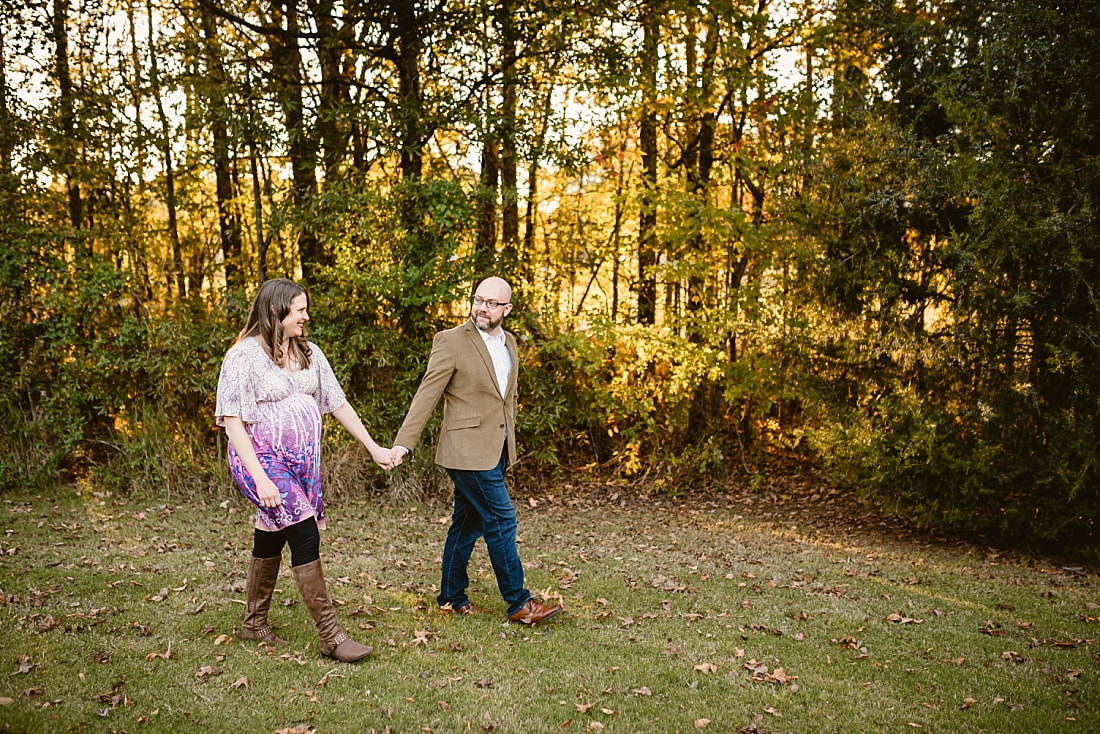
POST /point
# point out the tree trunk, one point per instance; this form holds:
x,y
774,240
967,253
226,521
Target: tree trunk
x,y
67,156
526,267
229,222
262,239
647,225
410,112
332,112
286,67
137,251
487,216
169,170
509,198
7,133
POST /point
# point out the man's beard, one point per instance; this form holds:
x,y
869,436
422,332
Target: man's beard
x,y
491,323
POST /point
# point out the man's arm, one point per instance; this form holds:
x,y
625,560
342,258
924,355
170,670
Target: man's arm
x,y
441,366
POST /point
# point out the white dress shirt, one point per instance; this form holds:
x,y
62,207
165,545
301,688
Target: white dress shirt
x,y
502,361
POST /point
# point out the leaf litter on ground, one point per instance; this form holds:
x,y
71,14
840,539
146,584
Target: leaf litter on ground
x,y
814,619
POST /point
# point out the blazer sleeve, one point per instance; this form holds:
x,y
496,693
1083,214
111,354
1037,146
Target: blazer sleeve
x,y
441,366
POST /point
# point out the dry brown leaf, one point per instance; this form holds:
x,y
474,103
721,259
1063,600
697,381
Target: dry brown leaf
x,y
206,672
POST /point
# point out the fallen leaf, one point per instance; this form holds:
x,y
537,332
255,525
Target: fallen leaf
x,y
967,703
166,654
206,672
643,691
780,676
241,682
701,723
706,668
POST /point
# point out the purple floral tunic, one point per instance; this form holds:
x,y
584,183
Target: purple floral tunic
x,y
282,414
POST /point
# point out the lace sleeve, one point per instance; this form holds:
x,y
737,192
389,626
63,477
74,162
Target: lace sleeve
x,y
329,395
237,387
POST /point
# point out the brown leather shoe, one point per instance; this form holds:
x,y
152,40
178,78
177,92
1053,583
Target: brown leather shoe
x,y
466,608
534,612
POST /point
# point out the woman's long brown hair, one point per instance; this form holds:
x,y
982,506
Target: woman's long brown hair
x,y
269,307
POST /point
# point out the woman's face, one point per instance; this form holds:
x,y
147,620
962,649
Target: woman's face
x,y
294,323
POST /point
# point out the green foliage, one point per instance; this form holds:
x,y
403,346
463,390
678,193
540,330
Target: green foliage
x,y
955,363
922,301
617,400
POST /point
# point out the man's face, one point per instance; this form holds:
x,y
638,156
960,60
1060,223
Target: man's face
x,y
490,306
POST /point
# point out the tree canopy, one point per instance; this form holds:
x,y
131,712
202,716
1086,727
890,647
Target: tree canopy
x,y
860,231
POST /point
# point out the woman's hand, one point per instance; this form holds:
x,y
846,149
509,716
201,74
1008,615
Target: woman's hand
x,y
267,492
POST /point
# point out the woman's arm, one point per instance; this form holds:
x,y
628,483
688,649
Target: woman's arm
x,y
349,419
266,490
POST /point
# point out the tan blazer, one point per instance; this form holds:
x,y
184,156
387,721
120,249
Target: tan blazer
x,y
476,419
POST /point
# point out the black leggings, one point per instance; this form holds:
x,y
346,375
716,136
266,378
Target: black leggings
x,y
303,538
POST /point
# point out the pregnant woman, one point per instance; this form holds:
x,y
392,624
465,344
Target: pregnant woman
x,y
273,388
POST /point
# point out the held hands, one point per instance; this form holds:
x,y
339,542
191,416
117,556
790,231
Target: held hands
x,y
397,454
387,458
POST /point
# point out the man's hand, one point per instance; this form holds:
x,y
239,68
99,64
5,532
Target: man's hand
x,y
397,455
383,457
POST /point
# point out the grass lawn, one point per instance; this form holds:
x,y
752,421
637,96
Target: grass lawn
x,y
737,614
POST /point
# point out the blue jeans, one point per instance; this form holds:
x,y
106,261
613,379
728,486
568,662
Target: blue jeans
x,y
482,509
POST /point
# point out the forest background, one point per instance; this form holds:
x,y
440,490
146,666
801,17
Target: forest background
x,y
862,233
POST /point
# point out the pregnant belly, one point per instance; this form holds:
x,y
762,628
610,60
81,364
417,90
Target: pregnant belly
x,y
292,424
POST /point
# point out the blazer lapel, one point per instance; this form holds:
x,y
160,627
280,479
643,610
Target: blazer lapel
x,y
513,352
483,351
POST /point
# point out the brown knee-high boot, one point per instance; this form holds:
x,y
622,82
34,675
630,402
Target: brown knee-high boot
x,y
335,643
262,573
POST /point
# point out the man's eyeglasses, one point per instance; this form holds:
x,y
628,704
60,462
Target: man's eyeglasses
x,y
478,301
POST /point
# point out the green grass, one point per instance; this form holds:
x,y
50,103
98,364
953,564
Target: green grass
x,y
676,613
